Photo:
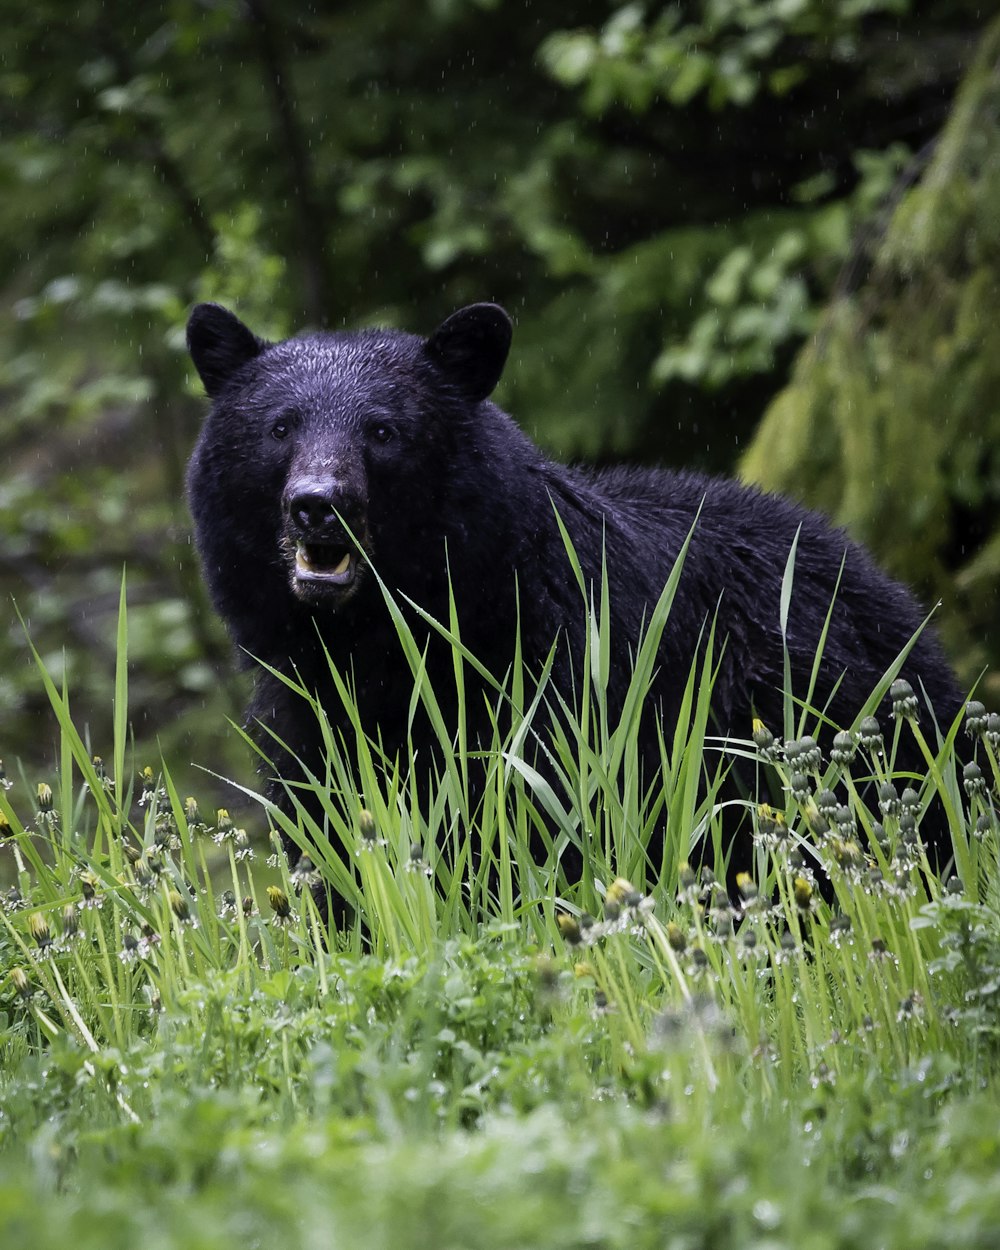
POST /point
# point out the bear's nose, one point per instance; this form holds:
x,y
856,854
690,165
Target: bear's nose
x,y
312,510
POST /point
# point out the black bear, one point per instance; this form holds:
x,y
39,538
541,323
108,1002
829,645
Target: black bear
x,y
328,455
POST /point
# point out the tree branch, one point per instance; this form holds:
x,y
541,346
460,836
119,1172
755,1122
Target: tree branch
x,y
317,288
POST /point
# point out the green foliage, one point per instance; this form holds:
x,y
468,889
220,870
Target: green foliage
x,y
187,1055
890,422
727,50
662,195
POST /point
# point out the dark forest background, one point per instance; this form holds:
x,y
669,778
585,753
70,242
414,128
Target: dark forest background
x,y
756,236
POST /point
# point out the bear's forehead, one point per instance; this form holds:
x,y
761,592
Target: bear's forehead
x,y
369,364
336,355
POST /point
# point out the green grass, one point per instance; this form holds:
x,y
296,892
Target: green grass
x,y
494,1054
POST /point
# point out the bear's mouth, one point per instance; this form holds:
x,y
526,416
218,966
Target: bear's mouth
x,y
332,564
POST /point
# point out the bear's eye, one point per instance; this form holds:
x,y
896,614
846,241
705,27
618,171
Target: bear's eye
x,y
381,432
280,430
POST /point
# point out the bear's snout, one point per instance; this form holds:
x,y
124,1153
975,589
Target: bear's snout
x,y
312,511
315,508
325,525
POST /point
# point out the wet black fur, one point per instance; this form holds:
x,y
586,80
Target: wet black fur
x,y
459,477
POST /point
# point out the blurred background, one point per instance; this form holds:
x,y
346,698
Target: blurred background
x,y
751,236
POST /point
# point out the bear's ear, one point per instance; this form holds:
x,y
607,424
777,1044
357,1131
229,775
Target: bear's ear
x,y
471,347
219,344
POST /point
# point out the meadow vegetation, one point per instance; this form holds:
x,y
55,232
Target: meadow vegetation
x,y
500,1051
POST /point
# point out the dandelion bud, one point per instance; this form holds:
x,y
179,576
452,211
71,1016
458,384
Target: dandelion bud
x,y
223,821
722,923
843,819
847,853
904,702
366,825
888,799
70,921
279,902
179,905
762,736
975,719
164,831
546,973
973,780
21,984
810,756
675,937
5,830
870,735
191,813
955,886
569,928
842,751
304,871
827,802
38,927
622,892
746,886
771,824
44,797
803,893
763,739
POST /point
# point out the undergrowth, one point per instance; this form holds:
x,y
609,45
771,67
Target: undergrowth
x,y
664,1046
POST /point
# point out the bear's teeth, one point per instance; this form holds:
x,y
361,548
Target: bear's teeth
x,y
307,563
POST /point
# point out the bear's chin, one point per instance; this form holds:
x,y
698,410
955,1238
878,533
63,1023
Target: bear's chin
x,y
319,593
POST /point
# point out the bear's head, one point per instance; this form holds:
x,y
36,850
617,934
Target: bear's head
x,y
327,446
